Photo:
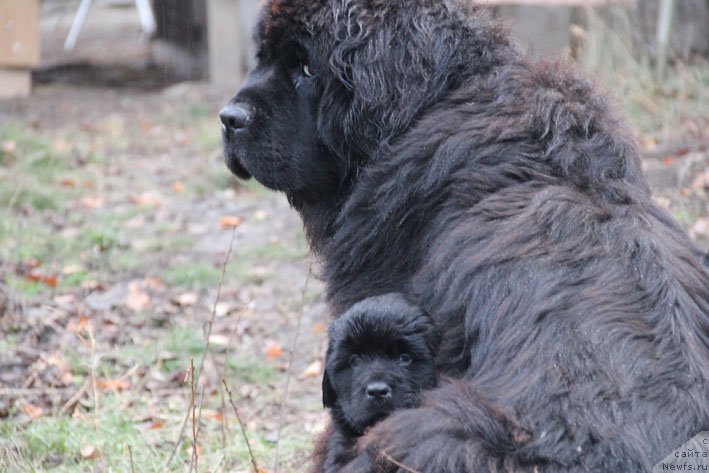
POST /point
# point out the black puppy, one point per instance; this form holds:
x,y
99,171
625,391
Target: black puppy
x,y
380,357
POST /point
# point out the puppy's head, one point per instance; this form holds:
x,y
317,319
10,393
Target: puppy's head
x,y
380,357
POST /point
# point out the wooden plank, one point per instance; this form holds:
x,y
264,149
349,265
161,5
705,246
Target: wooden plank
x,y
19,33
15,83
226,45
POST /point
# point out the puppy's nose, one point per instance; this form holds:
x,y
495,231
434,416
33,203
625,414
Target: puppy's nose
x,y
236,116
378,390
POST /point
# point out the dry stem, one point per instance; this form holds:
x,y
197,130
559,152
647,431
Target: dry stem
x,y
178,442
288,372
242,426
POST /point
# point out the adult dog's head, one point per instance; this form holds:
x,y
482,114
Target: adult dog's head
x,y
381,355
337,79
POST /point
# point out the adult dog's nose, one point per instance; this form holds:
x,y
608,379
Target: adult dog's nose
x,y
236,116
378,390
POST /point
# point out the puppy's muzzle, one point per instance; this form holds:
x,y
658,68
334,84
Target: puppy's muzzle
x,y
378,390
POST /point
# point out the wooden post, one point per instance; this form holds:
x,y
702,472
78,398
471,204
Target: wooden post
x,y
19,46
664,28
226,45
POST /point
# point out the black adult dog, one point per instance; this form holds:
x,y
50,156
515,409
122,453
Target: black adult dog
x,y
380,357
504,197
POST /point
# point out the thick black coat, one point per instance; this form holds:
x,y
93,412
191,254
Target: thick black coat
x,y
506,198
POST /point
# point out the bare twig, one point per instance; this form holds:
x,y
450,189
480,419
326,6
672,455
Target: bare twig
x,y
288,372
242,426
75,398
222,422
178,442
400,465
194,418
18,392
92,373
676,149
130,456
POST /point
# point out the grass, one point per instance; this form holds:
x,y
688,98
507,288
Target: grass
x,y
128,421
63,444
45,177
659,109
193,275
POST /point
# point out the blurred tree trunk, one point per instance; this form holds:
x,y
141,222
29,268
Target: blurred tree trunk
x,y
181,37
182,23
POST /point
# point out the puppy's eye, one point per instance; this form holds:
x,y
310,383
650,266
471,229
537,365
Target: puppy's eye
x,y
307,72
354,359
405,359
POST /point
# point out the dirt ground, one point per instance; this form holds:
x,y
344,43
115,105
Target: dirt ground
x,y
117,215
116,218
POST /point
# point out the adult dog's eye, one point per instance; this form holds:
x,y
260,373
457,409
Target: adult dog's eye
x,y
405,359
354,359
307,72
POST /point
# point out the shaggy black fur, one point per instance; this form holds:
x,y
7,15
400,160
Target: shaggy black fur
x,y
504,197
380,357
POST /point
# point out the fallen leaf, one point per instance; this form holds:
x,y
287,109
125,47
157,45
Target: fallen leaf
x,y
30,263
700,228
319,328
148,199
158,424
68,183
92,202
260,215
72,269
273,350
154,283
113,384
88,452
178,187
48,280
231,221
9,146
62,367
649,144
663,202
33,412
212,414
78,326
701,180
224,308
64,300
312,370
187,299
137,300
219,340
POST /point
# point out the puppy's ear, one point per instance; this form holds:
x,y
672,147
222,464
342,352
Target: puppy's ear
x,y
329,396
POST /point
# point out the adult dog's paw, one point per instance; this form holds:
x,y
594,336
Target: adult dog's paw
x,y
455,430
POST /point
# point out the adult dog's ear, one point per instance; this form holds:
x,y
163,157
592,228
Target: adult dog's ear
x,y
388,55
329,396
